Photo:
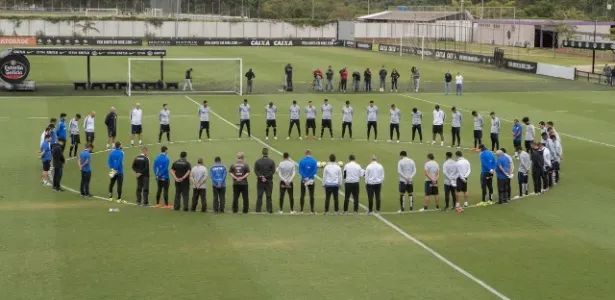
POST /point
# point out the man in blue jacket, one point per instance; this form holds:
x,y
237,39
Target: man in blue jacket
x,y
116,164
307,169
516,133
487,165
61,131
218,172
503,173
161,171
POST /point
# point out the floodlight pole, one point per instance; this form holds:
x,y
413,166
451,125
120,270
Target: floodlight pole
x,y
89,73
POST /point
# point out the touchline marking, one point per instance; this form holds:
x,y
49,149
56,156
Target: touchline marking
x,y
510,121
381,218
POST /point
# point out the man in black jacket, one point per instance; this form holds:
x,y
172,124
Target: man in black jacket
x,y
250,76
367,76
356,80
264,168
180,170
111,123
288,72
57,156
141,167
538,165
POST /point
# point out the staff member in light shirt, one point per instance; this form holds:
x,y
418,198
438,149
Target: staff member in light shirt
x,y
459,84
417,121
352,176
529,134
88,128
523,175
75,139
244,118
270,115
332,180
295,114
286,172
462,182
432,174
164,117
451,174
347,115
548,168
406,168
198,179
372,120
456,127
374,176
438,124
136,118
478,130
204,119
557,157
495,132
394,118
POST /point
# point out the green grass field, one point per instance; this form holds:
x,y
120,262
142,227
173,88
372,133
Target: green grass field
x,y
60,246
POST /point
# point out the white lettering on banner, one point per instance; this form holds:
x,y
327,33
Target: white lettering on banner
x,y
269,43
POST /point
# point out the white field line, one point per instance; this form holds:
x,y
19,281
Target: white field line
x,y
510,121
387,222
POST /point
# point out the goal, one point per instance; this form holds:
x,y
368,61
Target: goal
x,y
154,12
102,11
168,75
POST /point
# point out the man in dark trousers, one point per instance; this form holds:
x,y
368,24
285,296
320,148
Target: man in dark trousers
x,y
264,168
141,168
57,156
538,166
85,165
367,76
111,123
161,171
447,82
240,171
250,77
218,172
288,73
180,170
356,81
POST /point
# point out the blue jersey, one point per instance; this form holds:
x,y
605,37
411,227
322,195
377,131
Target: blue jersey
x,y
503,162
54,136
84,159
487,161
308,168
517,132
61,131
161,166
116,161
218,173
46,149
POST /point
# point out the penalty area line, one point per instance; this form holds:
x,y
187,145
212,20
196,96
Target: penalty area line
x,y
383,219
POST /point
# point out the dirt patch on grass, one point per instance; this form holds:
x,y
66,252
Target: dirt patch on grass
x,y
15,206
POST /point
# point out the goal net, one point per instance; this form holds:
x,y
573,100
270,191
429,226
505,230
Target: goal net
x,y
168,75
102,11
419,37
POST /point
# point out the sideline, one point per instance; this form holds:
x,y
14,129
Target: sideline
x,y
384,220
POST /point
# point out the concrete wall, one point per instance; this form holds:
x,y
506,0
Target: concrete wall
x,y
203,29
504,34
460,31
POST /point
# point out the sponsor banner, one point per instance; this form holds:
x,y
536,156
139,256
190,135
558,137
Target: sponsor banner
x,y
88,52
73,41
520,65
356,45
17,41
589,45
244,42
441,54
556,71
14,68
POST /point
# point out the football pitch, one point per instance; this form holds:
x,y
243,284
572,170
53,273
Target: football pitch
x,y
559,245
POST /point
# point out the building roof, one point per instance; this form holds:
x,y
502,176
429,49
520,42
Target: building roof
x,y
540,22
408,16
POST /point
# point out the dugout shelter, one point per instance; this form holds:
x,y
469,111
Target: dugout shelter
x,y
15,67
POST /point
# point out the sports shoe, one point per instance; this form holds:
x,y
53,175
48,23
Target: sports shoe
x,y
288,138
319,139
281,212
110,199
199,140
400,211
168,206
516,197
433,143
442,144
388,141
422,209
312,213
158,206
266,138
465,204
275,138
398,141
300,138
292,212
489,202
118,201
459,209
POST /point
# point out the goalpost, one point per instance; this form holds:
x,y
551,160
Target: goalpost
x,y
168,75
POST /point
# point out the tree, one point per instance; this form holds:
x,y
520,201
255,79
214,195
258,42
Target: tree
x,y
86,27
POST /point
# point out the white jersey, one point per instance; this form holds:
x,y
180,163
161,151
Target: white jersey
x,y
73,127
458,79
136,116
295,112
478,123
529,132
464,168
374,173
417,118
332,175
88,124
372,113
347,114
438,117
286,171
457,119
394,116
450,171
495,125
244,112
204,114
353,172
406,168
310,112
270,112
164,116
327,111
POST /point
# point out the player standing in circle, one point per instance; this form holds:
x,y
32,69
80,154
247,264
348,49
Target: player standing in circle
x,y
438,125
459,84
204,117
417,121
394,118
478,130
372,120
394,79
347,115
188,80
327,111
164,117
244,118
111,123
136,118
406,168
75,140
270,114
456,127
295,115
310,120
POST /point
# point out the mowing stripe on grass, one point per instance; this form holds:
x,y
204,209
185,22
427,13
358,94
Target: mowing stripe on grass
x,y
387,222
510,121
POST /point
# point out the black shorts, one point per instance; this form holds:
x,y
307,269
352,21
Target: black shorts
x,y
165,127
373,124
271,123
89,137
438,129
462,186
405,188
516,144
111,132
136,129
310,123
394,126
75,139
204,124
294,122
478,134
555,166
431,189
325,123
528,144
46,165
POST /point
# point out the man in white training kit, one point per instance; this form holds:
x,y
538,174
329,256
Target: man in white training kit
x,y
88,128
136,117
347,115
406,168
451,174
438,124
462,182
372,120
327,112
295,115
332,180
374,177
204,120
244,118
164,117
394,118
270,114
